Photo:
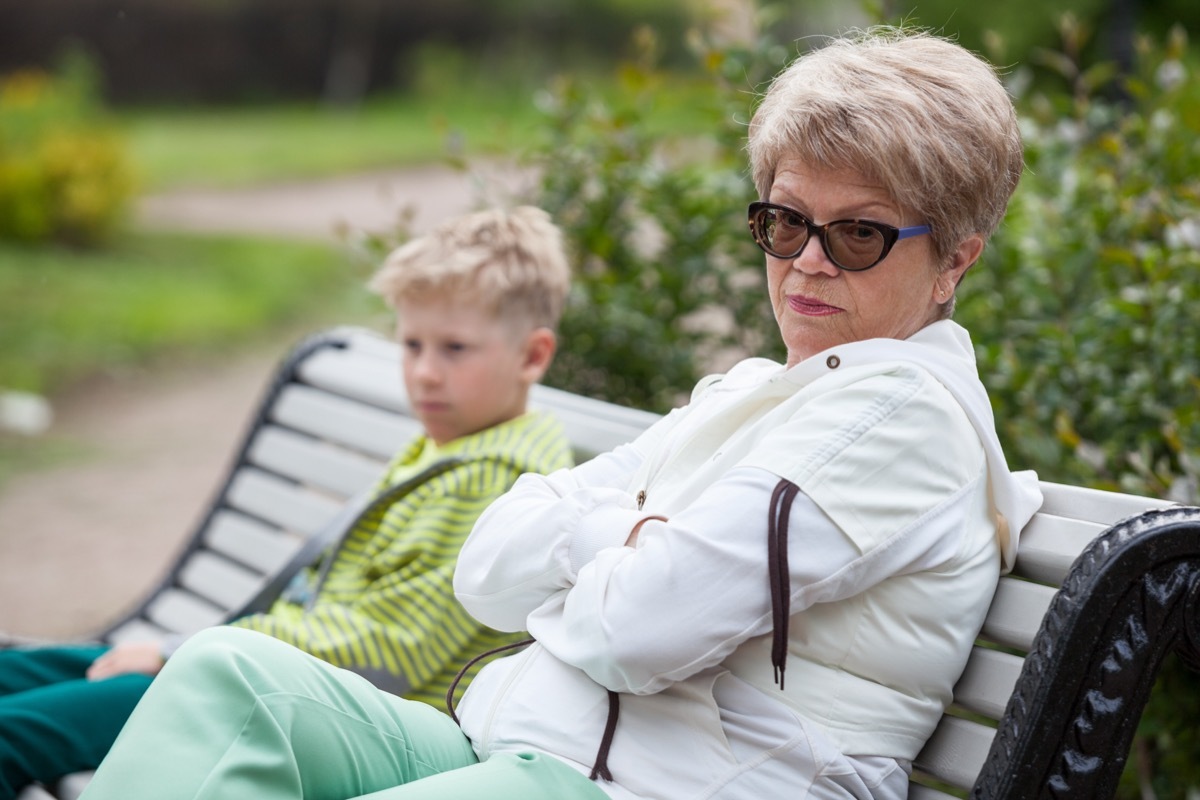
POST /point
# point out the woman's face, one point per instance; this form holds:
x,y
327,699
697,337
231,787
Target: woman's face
x,y
816,304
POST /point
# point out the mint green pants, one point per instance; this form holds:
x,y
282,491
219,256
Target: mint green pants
x,y
239,714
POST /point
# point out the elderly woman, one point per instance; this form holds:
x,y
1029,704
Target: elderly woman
x,y
770,593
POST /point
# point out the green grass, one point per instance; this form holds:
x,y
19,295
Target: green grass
x,y
235,147
229,147
66,314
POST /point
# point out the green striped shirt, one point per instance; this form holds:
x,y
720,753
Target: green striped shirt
x,y
386,606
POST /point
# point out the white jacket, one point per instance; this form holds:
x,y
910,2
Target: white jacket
x,y
894,554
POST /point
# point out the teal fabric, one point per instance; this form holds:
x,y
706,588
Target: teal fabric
x,y
53,721
236,713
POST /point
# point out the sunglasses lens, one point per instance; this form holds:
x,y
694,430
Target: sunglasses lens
x,y
855,246
783,234
851,245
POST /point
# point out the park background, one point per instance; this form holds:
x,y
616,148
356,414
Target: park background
x,y
137,324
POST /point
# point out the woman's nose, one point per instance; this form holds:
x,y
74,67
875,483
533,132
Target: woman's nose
x,y
812,259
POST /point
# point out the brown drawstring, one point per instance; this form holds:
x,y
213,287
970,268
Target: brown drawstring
x,y
780,578
600,768
471,663
779,514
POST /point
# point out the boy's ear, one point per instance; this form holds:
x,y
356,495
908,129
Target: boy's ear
x,y
540,347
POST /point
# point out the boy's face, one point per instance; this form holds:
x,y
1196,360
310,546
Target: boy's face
x,y
465,370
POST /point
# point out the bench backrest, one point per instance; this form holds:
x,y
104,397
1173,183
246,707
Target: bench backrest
x,y
332,416
1070,518
336,412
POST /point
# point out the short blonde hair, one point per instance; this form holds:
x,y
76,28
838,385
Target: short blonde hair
x,y
510,263
922,115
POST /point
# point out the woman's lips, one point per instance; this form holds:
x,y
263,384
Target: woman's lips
x,y
810,306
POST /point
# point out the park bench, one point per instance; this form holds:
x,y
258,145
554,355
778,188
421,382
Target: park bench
x,y
1105,585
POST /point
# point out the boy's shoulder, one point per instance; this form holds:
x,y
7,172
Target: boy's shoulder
x,y
536,441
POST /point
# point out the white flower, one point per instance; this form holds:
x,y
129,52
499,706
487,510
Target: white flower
x,y
1183,235
1170,74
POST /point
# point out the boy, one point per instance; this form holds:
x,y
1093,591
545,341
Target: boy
x,y
477,302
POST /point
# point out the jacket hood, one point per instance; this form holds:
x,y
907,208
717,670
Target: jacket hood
x,y
944,349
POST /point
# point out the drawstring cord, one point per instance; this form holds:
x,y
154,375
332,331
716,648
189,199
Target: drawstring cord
x,y
600,769
778,516
779,513
780,577
473,662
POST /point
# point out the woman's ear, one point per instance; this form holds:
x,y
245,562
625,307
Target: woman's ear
x,y
540,346
965,256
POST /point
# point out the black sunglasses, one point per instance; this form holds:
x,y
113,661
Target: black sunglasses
x,y
851,244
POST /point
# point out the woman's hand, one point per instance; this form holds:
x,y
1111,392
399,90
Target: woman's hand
x,y
140,657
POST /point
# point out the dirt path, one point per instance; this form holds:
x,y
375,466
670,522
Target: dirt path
x,y
81,541
319,209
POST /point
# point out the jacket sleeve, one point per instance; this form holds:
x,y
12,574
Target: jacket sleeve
x,y
637,619
695,587
392,613
529,543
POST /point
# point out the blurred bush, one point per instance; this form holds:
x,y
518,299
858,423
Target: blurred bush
x,y
64,177
1082,305
668,285
1083,309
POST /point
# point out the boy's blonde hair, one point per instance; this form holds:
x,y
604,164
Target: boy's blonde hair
x,y
510,263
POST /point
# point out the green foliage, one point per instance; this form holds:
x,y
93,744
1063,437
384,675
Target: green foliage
x,y
1083,314
63,176
668,285
1081,307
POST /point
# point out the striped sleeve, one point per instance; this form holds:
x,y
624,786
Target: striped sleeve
x,y
387,608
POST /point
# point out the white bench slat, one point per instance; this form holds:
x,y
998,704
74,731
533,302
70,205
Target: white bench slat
x,y
956,752
137,630
988,681
314,462
70,787
285,504
359,373
251,542
592,427
1094,505
369,342
219,580
632,419
179,611
1050,544
34,792
1016,612
374,431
